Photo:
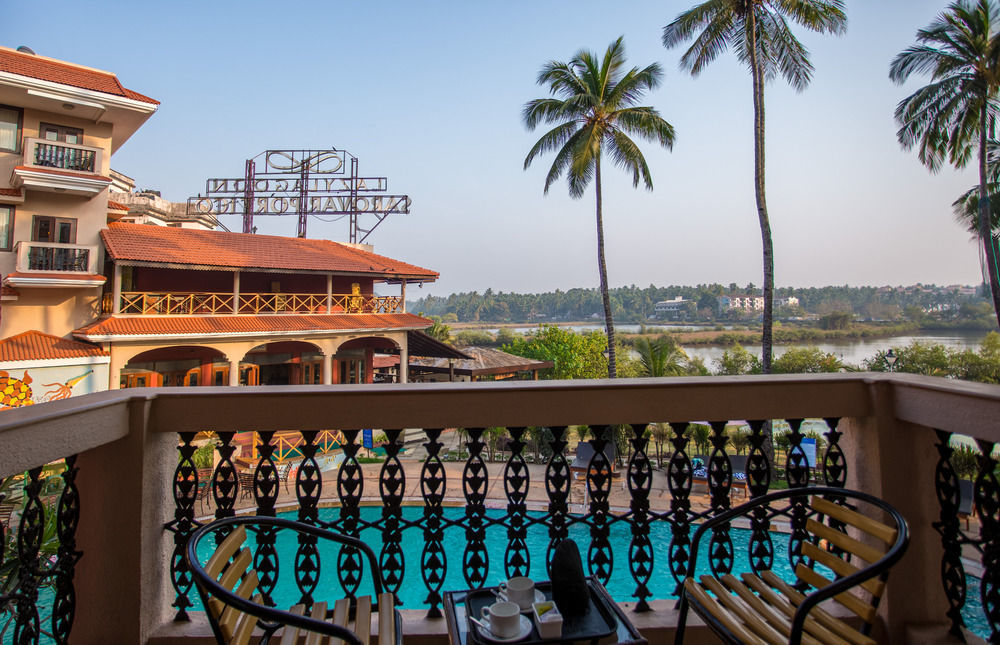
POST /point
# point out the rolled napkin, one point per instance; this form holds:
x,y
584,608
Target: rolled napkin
x,y
569,585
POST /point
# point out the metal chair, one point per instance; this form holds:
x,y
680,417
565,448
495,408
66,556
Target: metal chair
x,y
235,612
762,608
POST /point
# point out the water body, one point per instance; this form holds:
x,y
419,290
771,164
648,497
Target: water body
x,y
856,350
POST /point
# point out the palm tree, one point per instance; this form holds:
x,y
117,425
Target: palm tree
x,y
758,31
660,356
953,116
594,108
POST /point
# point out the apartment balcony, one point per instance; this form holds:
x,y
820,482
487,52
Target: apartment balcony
x,y
50,264
145,303
59,167
131,494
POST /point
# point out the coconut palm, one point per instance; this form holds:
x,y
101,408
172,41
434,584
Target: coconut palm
x,y
951,118
759,33
594,109
660,356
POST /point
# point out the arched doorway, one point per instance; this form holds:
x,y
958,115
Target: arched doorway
x,y
287,363
183,366
354,360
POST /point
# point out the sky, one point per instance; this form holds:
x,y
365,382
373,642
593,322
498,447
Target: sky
x,y
429,94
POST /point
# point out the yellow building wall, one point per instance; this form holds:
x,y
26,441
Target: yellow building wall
x,y
52,311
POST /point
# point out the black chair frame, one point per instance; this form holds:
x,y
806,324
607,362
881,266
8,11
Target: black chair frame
x,y
874,569
272,618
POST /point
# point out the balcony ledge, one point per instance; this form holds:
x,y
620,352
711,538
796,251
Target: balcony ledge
x,y
54,279
59,181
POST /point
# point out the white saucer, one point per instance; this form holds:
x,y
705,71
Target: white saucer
x,y
524,628
539,597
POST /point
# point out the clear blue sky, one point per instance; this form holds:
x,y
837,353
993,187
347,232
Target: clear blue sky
x,y
429,95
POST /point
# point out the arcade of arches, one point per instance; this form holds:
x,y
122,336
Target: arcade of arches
x,y
287,362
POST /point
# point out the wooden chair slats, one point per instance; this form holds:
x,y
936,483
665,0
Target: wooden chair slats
x,y
225,551
319,613
236,570
847,599
249,585
386,619
864,551
839,627
363,618
244,627
777,618
702,598
736,606
877,529
290,635
842,568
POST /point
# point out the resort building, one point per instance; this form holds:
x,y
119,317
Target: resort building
x,y
741,303
671,308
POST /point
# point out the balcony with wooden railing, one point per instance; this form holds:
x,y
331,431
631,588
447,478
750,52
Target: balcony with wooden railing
x,y
128,495
146,303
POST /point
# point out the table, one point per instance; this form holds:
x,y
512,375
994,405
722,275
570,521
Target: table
x,y
458,624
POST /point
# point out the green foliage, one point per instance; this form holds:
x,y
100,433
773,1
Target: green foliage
x,y
737,361
439,331
982,366
739,439
965,462
836,320
701,434
575,356
805,360
660,357
478,337
204,457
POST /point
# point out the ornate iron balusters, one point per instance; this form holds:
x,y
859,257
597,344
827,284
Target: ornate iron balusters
x,y
640,550
225,484
600,558
797,474
308,487
557,488
433,558
679,482
720,482
988,506
350,487
392,485
27,626
761,547
67,519
265,493
516,481
183,525
475,480
947,487
834,461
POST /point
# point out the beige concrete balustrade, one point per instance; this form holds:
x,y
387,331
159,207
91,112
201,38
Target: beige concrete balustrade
x,y
127,446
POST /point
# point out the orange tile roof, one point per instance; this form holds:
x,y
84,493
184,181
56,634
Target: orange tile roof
x,y
116,206
57,71
35,345
203,325
196,247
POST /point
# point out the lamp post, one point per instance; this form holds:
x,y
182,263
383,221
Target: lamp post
x,y
890,359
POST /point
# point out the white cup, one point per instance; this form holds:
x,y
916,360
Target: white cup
x,y
503,618
520,590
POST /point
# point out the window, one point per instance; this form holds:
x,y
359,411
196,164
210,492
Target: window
x,y
51,132
54,229
6,227
10,129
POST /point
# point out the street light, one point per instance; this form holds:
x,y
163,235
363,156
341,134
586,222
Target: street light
x,y
890,359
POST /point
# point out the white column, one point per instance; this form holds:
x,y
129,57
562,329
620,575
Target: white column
x,y
329,295
404,363
236,292
234,373
402,294
116,290
327,369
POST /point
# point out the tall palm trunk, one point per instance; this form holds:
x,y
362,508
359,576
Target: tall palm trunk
x,y
609,324
758,173
985,221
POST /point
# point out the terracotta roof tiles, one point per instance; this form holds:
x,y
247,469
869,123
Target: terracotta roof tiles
x,y
197,247
35,345
10,192
116,206
229,325
57,71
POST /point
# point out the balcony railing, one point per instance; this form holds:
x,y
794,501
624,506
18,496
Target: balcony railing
x,y
889,435
51,256
188,304
62,156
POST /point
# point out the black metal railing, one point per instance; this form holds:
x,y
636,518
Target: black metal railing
x,y
38,555
54,155
49,258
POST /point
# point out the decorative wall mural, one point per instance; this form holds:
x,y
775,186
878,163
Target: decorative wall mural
x,y
17,392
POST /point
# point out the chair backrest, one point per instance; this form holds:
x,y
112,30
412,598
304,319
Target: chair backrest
x,y
845,537
967,496
230,566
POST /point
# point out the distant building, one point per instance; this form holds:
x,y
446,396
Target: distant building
x,y
741,303
790,301
671,308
